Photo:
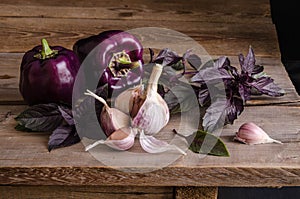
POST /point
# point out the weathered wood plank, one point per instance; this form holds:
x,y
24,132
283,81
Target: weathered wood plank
x,y
216,38
254,12
24,158
85,192
170,176
10,66
196,192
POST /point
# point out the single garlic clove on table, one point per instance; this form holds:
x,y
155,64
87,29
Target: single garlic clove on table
x,y
250,133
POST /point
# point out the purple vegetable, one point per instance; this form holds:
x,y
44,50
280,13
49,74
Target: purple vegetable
x,y
47,74
117,56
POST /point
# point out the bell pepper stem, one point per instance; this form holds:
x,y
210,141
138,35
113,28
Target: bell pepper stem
x,y
123,60
46,51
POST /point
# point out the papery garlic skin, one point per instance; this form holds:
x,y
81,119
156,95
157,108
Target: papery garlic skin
x,y
124,101
250,133
152,145
151,118
122,144
122,139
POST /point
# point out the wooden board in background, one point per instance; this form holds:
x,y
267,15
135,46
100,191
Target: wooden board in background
x,y
222,27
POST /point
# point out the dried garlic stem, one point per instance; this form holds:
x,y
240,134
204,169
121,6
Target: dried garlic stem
x,y
100,99
153,80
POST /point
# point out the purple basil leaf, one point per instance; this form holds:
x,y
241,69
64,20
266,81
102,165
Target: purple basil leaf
x,y
167,57
195,61
170,76
248,63
214,70
66,113
203,96
185,56
266,86
257,69
40,117
214,117
245,92
63,136
222,112
222,62
151,52
172,102
234,108
215,74
20,127
180,99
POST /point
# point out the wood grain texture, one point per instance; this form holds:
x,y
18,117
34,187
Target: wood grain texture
x,y
222,27
10,66
24,158
196,192
216,38
140,10
85,192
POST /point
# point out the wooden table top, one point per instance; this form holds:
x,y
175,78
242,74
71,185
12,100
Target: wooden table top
x,y
224,27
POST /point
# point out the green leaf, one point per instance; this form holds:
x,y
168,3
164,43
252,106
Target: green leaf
x,y
207,143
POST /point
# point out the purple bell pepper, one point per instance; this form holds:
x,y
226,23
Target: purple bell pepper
x,y
47,74
117,58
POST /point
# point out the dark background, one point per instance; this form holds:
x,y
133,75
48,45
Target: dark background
x,y
259,193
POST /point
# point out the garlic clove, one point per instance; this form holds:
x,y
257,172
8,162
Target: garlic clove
x,y
125,100
111,119
137,99
122,139
152,145
151,117
250,133
153,112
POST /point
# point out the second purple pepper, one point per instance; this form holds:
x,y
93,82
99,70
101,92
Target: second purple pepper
x,y
116,55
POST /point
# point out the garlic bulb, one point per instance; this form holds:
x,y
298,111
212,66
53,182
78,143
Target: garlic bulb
x,y
147,109
250,133
111,119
